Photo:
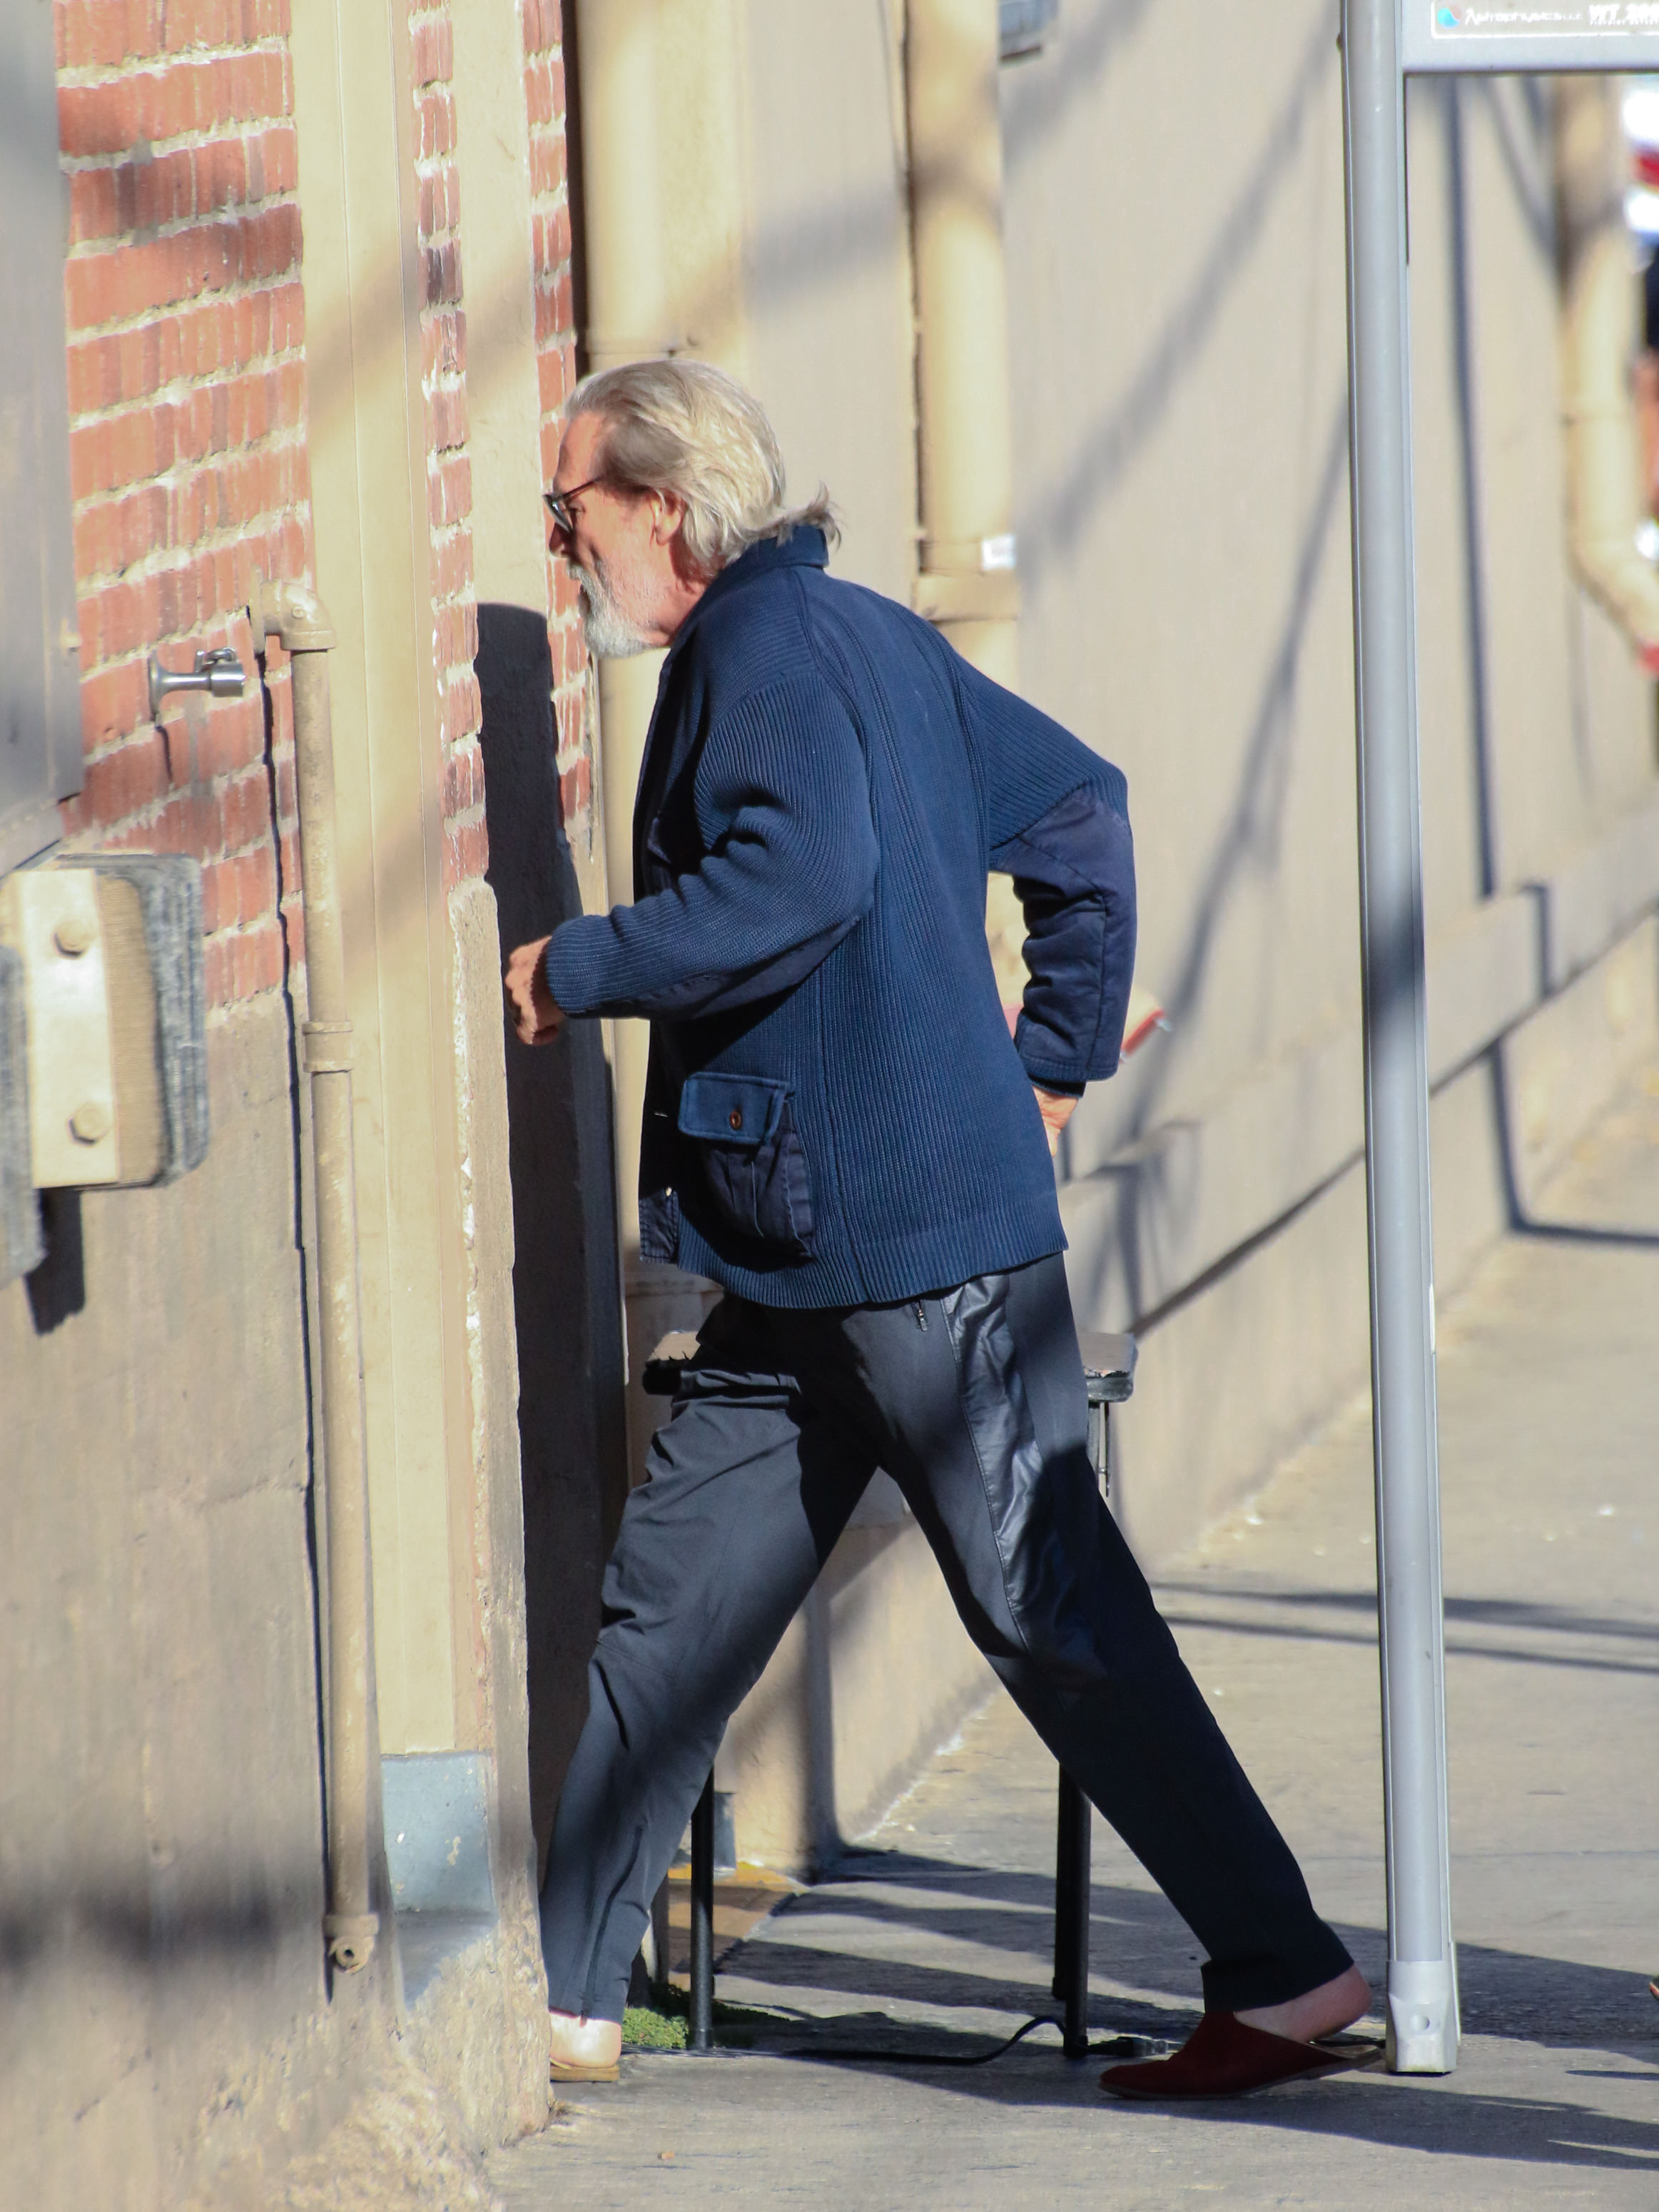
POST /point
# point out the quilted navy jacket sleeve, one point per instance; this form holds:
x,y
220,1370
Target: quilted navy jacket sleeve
x,y
782,807
1057,822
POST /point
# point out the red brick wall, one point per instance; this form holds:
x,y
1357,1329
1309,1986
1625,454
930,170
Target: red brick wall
x,y
187,393
187,429
556,361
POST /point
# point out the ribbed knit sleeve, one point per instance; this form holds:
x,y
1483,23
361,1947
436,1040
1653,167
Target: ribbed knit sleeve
x,y
782,804
1057,821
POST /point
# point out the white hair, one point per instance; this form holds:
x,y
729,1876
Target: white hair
x,y
683,427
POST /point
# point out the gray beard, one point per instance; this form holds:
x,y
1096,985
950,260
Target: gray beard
x,y
608,633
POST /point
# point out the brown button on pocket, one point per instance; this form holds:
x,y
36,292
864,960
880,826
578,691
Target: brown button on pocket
x,y
753,1168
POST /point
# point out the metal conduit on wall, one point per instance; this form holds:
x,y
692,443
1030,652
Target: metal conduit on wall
x,y
298,620
968,581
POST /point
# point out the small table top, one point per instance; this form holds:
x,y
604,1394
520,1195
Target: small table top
x,y
1109,1364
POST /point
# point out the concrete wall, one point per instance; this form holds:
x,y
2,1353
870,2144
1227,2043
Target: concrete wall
x,y
165,2008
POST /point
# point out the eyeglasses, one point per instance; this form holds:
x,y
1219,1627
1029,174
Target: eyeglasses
x,y
558,505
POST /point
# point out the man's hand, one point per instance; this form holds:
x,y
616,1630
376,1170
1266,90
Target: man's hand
x,y
1056,1112
536,1015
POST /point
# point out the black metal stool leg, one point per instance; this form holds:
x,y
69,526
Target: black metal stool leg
x,y
702,2036
1072,1856
1065,1886
1109,1366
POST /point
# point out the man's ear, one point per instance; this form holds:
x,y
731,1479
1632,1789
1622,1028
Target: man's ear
x,y
667,515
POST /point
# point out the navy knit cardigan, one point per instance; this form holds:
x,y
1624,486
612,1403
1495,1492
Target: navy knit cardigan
x,y
835,1112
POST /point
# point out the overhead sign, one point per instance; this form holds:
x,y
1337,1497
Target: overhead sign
x,y
1497,36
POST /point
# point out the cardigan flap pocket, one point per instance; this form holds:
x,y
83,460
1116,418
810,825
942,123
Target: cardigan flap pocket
x,y
732,1109
754,1163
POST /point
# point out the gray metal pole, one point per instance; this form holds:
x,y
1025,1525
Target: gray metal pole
x,y
1422,1992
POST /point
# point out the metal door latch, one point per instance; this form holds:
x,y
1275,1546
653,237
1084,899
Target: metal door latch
x,y
218,671
103,1032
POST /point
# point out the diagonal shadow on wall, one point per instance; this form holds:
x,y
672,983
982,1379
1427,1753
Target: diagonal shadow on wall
x,y
1051,522
1249,843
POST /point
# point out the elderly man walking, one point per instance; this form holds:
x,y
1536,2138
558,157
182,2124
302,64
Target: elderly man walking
x,y
840,1131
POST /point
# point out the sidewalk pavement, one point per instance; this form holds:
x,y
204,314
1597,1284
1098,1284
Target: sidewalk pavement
x,y
935,1934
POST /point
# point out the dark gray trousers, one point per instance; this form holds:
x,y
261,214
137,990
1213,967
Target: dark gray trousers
x,y
973,1400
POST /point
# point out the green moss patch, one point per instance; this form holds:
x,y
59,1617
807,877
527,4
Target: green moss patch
x,y
663,2025
644,2029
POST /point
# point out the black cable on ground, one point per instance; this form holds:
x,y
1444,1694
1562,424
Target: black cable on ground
x,y
872,2056
1121,2046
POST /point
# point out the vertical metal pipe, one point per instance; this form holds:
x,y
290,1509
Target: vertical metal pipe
x,y
969,583
964,428
350,1926
702,1920
1422,1997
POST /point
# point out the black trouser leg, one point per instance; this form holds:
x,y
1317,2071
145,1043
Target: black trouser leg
x,y
975,1403
716,1553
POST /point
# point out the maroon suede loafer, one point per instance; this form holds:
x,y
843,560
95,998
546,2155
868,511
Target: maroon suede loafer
x,y
1222,2057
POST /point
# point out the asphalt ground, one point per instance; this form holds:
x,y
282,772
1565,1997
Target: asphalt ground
x,y
934,1936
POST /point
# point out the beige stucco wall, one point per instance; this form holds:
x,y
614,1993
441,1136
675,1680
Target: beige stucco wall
x,y
1175,234
1177,311
168,2031
161,1873
1177,327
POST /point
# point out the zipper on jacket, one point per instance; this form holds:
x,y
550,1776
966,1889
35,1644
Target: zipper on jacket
x,y
921,1316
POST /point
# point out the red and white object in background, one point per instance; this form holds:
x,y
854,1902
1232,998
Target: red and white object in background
x,y
1639,112
1145,1014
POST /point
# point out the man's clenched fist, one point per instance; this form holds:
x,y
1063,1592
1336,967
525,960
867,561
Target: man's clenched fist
x,y
536,1015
